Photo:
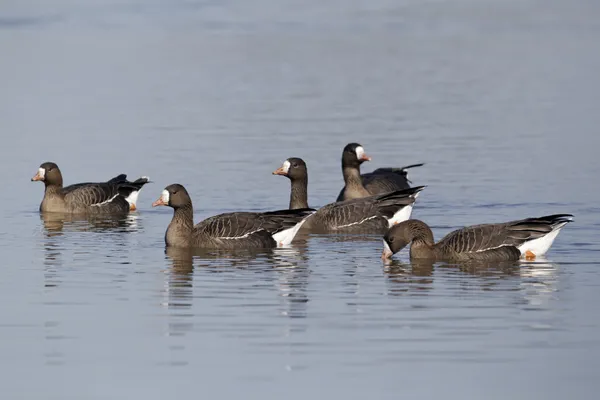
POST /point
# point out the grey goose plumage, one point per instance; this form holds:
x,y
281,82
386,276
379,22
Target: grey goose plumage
x,y
235,230
116,196
373,214
529,238
382,180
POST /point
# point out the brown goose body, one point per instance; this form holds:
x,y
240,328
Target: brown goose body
x,y
382,180
237,230
530,238
372,214
116,196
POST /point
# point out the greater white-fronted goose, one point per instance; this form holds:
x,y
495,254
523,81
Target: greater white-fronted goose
x,y
373,214
382,180
235,230
116,196
528,238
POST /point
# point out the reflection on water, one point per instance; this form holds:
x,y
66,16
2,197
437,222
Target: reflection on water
x,y
533,282
413,279
63,244
214,94
55,223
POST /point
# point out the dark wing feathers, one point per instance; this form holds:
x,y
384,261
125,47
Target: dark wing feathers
x,y
390,203
93,193
486,237
277,221
355,211
244,224
384,180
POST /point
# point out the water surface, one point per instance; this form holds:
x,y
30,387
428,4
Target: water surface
x,y
498,98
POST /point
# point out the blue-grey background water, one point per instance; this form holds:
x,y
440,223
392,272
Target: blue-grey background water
x,y
499,98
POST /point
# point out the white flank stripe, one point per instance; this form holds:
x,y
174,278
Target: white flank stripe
x,y
492,248
359,222
245,235
401,215
105,202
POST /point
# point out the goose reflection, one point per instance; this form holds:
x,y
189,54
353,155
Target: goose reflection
x,y
179,285
292,271
56,223
413,279
533,282
287,264
56,229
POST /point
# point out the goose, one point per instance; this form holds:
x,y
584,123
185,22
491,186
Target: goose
x,y
508,241
237,230
382,180
116,196
373,214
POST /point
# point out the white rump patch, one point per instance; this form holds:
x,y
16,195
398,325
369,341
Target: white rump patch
x,y
42,172
132,198
541,245
360,152
286,166
165,196
401,215
105,202
285,237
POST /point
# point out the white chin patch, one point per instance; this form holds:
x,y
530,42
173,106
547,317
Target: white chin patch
x,y
42,172
360,152
286,166
165,196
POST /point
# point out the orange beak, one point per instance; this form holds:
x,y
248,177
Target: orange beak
x,y
280,171
365,158
159,202
37,177
386,255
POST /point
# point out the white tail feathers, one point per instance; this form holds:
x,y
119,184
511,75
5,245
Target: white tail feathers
x,y
541,245
401,215
285,237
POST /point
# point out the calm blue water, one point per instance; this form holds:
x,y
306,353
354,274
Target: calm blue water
x,y
498,98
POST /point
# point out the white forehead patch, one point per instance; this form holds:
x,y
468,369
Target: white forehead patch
x,y
286,166
360,152
165,196
42,172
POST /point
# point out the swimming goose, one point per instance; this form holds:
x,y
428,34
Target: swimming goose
x,y
116,196
373,214
235,230
382,180
528,238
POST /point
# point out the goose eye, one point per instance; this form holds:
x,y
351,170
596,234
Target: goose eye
x,y
391,240
295,165
174,192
